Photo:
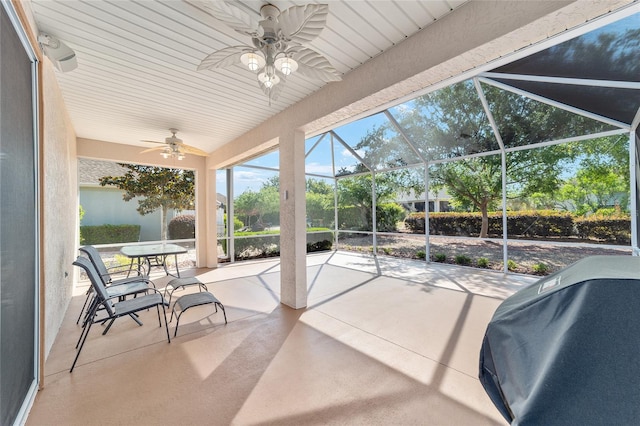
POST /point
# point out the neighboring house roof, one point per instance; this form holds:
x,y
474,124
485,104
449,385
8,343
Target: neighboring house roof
x,y
90,171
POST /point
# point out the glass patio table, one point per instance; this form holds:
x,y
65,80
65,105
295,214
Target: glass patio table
x,y
150,255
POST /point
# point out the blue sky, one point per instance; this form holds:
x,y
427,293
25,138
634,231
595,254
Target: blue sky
x,y
318,162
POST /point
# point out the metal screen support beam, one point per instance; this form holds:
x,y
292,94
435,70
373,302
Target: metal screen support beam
x,y
634,189
230,218
374,202
427,245
335,192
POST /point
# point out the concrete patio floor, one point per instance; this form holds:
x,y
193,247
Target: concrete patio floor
x,y
383,341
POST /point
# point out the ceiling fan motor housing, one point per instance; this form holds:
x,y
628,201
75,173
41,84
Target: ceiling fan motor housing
x,y
269,11
269,23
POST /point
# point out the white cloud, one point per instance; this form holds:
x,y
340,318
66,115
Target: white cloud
x,y
320,169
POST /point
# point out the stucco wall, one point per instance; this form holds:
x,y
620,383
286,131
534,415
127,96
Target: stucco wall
x,y
60,206
105,206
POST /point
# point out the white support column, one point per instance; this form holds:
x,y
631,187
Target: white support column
x,y
211,235
293,226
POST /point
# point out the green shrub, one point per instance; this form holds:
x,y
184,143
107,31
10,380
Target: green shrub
x,y
319,246
440,257
319,241
512,265
415,222
262,243
267,243
535,223
121,260
540,223
237,223
421,254
387,217
605,228
607,211
109,234
463,259
182,227
482,262
349,217
540,268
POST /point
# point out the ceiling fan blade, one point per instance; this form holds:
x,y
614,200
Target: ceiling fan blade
x,y
163,143
193,150
313,65
224,57
158,148
302,24
231,15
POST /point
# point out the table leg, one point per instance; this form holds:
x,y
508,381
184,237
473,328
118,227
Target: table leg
x,y
166,270
130,268
177,269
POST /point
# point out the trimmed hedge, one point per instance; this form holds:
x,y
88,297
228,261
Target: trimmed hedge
x,y
109,234
538,223
182,227
609,229
465,224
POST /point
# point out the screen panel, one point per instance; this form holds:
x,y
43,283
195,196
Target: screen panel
x,y
17,223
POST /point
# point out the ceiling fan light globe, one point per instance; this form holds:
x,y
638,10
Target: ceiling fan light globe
x,y
286,65
268,80
252,60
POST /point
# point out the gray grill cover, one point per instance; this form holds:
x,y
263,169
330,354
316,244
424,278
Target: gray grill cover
x,y
566,350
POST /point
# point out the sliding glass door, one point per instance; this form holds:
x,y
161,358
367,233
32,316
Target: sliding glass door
x,y
18,223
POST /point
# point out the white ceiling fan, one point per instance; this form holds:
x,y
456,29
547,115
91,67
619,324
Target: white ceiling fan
x,y
278,43
174,147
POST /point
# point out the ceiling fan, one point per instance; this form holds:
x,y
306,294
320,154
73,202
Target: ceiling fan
x,y
278,43
174,147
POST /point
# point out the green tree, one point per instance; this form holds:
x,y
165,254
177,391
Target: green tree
x,y
246,205
356,192
317,186
451,122
269,211
320,201
158,188
383,149
262,206
600,178
593,189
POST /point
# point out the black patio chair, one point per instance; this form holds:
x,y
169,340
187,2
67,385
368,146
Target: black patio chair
x,y
115,287
117,309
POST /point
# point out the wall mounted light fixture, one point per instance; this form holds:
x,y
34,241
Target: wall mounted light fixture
x,y
62,56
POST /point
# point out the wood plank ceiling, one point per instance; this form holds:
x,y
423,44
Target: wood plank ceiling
x,y
137,60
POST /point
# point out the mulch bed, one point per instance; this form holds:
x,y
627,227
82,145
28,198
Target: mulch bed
x,y
527,255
